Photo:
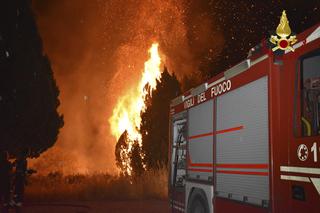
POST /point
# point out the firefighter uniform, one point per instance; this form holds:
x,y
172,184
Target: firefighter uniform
x,y
20,179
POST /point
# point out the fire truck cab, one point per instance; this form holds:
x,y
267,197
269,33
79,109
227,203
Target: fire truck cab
x,y
248,140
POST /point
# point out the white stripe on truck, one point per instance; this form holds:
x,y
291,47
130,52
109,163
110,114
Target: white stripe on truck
x,y
305,170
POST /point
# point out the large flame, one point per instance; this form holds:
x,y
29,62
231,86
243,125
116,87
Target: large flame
x,y
127,113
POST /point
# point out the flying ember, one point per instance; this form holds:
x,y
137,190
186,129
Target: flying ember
x,y
126,114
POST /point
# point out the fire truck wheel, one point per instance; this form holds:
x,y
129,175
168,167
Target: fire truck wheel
x,y
198,203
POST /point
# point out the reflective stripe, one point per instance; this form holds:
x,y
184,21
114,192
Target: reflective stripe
x,y
201,135
243,172
300,170
236,166
243,166
258,60
295,178
216,82
178,203
314,35
229,130
316,183
177,207
217,132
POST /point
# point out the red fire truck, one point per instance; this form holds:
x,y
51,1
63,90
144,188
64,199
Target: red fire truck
x,y
248,140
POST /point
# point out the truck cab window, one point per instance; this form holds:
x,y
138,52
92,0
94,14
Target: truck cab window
x,y
310,95
179,153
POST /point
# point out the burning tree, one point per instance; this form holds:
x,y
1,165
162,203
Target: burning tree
x,y
153,153
28,94
155,120
126,118
130,120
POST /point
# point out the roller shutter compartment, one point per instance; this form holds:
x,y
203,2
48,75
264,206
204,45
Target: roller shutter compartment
x,y
242,150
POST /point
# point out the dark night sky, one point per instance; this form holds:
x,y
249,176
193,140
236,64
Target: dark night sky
x,y
244,23
97,49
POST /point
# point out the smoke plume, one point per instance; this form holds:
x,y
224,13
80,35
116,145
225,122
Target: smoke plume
x,y
97,49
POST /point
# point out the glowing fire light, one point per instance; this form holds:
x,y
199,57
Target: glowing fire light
x,y
126,114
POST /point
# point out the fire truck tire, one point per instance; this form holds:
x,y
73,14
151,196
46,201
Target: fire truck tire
x,y
198,203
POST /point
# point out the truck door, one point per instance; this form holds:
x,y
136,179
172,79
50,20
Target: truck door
x,y
302,172
242,149
178,161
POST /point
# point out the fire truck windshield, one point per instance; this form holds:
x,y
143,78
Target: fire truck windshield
x,y
310,95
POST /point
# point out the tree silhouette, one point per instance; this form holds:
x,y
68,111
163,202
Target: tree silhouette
x,y
136,159
28,92
155,121
121,145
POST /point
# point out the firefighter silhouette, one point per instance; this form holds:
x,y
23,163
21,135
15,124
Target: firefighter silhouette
x,y
19,180
5,180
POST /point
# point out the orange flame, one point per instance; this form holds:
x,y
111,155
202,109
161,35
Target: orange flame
x,y
126,114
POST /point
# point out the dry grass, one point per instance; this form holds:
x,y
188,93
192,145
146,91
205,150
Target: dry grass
x,y
56,187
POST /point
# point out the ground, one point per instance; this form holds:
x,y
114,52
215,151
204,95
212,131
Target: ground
x,y
125,206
